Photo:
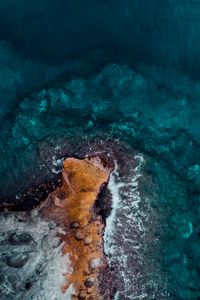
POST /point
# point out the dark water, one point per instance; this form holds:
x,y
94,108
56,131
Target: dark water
x,y
76,72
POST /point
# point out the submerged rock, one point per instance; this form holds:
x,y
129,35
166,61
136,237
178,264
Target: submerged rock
x,y
194,176
17,260
20,239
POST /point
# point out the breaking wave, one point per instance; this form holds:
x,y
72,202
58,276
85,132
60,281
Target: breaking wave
x,y
127,237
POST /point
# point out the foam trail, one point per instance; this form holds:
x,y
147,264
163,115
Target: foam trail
x,y
128,232
115,186
46,265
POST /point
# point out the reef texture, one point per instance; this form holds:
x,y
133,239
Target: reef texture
x,y
72,205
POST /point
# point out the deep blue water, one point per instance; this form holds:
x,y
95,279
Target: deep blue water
x,y
72,72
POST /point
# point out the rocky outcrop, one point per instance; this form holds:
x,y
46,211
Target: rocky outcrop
x,y
72,205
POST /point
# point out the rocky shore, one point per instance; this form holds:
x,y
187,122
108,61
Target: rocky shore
x,y
72,206
75,206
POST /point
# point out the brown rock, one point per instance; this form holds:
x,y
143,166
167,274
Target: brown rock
x,y
74,296
79,236
86,273
72,205
89,282
82,295
90,297
62,195
88,240
75,225
95,263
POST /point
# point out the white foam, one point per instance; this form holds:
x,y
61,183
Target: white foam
x,y
125,230
57,165
115,186
45,257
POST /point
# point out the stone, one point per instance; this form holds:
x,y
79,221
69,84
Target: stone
x,y
82,295
20,239
75,225
89,282
79,236
91,297
17,260
62,195
86,273
88,240
95,263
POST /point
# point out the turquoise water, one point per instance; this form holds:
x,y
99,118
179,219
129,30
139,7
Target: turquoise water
x,y
134,77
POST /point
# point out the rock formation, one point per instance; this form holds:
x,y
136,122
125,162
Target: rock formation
x,y
72,205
